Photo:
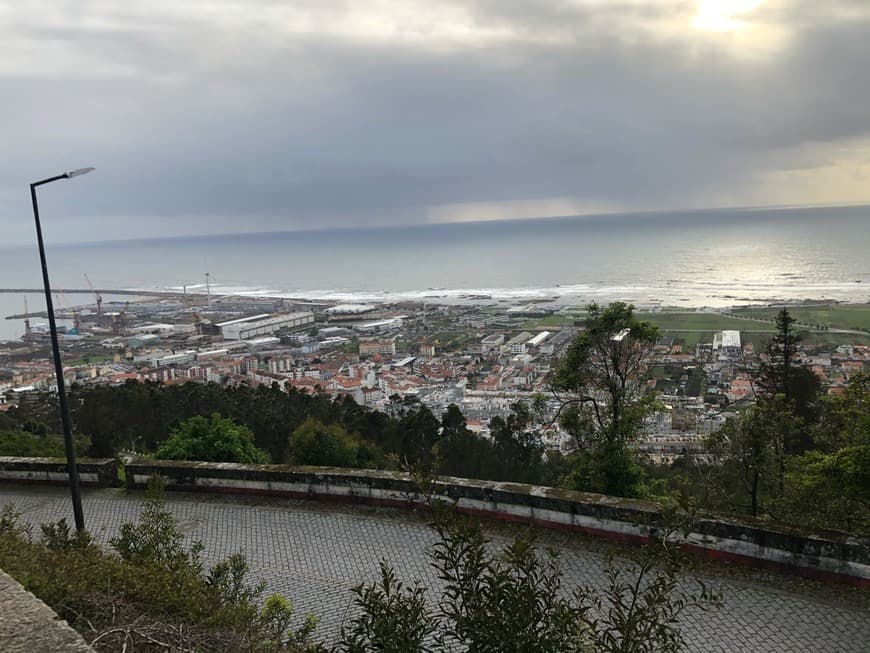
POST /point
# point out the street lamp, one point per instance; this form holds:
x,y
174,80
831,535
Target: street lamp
x,y
55,346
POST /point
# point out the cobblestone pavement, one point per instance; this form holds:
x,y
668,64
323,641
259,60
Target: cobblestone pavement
x,y
314,552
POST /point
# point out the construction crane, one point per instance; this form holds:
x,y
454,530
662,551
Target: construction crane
x,y
99,299
70,312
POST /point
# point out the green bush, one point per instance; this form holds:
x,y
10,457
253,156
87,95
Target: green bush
x,y
213,439
316,443
37,443
155,596
512,601
609,469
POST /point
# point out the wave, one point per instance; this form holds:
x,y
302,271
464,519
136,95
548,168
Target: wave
x,y
669,292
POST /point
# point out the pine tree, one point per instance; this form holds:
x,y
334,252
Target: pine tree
x,y
783,375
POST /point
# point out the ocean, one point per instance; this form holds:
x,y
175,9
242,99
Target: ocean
x,y
710,258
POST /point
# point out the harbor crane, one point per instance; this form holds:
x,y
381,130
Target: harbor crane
x,y
98,297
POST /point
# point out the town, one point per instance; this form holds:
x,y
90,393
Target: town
x,y
482,356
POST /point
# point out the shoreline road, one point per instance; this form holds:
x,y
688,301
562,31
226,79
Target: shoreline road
x,y
313,553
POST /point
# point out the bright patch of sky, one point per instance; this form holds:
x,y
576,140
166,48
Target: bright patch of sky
x,y
211,116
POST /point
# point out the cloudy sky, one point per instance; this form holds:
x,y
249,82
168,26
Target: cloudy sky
x,y
208,116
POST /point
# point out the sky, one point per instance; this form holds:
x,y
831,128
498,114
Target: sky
x,y
260,115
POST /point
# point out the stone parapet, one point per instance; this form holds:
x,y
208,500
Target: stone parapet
x,y
821,554
93,472
27,625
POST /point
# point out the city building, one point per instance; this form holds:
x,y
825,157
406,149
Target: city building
x,y
263,325
380,326
372,346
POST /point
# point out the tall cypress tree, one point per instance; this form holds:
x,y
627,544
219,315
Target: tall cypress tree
x,y
781,352
783,374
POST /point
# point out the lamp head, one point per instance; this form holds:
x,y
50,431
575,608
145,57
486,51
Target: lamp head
x,y
79,172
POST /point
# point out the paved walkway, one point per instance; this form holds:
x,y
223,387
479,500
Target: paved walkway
x,y
313,553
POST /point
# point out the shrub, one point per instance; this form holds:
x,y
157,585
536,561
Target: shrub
x,y
155,595
512,601
214,439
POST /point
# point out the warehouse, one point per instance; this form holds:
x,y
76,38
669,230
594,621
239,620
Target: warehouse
x,y
246,329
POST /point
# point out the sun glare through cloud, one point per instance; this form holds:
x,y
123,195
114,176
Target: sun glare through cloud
x,y
723,15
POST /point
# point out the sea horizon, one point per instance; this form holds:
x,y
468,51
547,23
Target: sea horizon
x,y
713,258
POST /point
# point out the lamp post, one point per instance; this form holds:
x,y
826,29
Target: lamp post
x,y
55,346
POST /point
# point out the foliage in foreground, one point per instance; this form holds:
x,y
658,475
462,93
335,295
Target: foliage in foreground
x,y
512,601
154,595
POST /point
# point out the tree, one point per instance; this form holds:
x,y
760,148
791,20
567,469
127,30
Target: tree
x,y
751,448
784,374
517,445
462,453
315,443
608,469
830,490
418,431
37,443
603,374
781,351
453,422
215,438
845,418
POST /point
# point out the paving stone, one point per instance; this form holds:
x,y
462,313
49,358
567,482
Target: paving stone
x,y
313,553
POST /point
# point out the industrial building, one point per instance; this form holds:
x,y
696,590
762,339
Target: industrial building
x,y
517,344
380,326
350,309
262,325
538,339
144,340
491,342
183,358
726,340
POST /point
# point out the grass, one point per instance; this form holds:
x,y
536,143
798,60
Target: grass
x,y
95,359
449,340
833,316
549,321
692,328
759,339
694,321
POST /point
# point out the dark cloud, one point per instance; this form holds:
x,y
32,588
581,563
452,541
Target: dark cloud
x,y
325,117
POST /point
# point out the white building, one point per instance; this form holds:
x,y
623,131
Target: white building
x,y
538,339
249,328
380,326
177,359
726,340
517,344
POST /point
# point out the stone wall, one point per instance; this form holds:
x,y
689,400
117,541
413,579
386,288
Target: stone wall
x,y
28,625
825,555
93,472
821,554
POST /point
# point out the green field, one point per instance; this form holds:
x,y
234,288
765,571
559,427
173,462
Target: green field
x,y
549,321
449,340
691,328
833,316
694,321
94,359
